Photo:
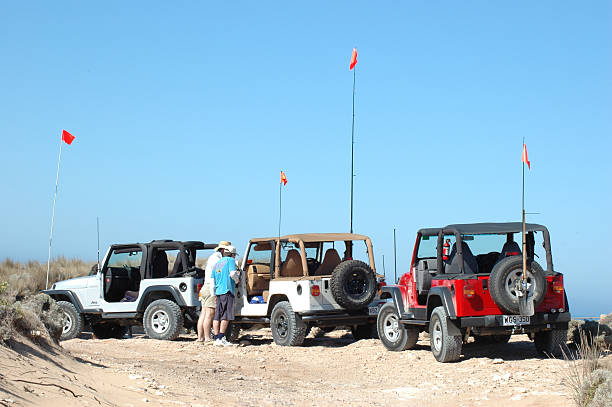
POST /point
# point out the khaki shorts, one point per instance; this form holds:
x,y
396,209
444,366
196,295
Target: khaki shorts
x,y
207,299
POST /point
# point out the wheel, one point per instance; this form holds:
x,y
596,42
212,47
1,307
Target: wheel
x,y
163,320
288,329
492,339
444,347
551,343
353,284
502,283
109,330
367,331
233,332
393,335
73,321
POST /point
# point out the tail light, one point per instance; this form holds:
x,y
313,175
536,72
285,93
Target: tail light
x,y
508,254
198,288
380,286
468,291
315,291
557,287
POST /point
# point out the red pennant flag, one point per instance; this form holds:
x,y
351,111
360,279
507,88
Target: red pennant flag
x,y
67,137
525,159
283,178
353,59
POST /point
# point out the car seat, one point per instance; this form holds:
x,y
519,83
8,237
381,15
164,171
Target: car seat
x,y
509,249
159,265
470,265
292,266
330,260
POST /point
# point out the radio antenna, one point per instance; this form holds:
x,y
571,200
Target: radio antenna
x,y
394,258
98,230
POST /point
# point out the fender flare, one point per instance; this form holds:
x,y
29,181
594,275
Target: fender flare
x,y
74,299
396,294
445,297
444,294
159,288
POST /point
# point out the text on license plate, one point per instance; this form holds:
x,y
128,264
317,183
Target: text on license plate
x,y
516,320
373,310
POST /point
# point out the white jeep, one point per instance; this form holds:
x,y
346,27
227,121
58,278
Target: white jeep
x,y
296,282
151,284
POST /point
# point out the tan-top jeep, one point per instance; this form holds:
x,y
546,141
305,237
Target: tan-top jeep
x,y
295,282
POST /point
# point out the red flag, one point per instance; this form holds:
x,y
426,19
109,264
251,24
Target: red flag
x,y
283,178
353,59
525,159
67,137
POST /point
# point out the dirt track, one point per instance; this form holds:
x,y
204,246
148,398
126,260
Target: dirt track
x,y
332,370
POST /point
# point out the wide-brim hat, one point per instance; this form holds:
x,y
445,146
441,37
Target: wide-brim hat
x,y
223,244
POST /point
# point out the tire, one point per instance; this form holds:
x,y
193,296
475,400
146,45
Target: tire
x,y
551,343
395,336
502,280
288,329
492,339
233,332
163,320
444,347
367,331
109,330
353,284
73,321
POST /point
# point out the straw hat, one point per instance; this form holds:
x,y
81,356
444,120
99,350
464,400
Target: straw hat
x,y
223,244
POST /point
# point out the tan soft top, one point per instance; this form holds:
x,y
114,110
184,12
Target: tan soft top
x,y
315,237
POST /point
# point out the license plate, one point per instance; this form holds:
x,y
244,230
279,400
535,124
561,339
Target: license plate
x,y
511,320
373,310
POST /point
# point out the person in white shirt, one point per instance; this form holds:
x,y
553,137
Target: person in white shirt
x,y
207,297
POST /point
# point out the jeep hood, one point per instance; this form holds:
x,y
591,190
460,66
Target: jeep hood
x,y
77,282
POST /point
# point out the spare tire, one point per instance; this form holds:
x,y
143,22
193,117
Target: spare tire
x,y
353,284
503,279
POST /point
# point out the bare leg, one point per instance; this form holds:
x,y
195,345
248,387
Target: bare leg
x,y
200,324
224,325
208,322
216,327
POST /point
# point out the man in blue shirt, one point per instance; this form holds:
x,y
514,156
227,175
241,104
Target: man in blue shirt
x,y
225,276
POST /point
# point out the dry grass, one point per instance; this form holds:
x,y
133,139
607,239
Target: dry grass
x,y
588,376
37,317
28,278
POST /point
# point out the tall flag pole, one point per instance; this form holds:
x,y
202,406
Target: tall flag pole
x,y
526,305
67,138
283,182
351,66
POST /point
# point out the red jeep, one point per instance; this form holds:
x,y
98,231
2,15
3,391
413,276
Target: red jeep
x,y
463,282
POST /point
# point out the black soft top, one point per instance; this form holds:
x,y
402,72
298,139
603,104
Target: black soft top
x,y
484,228
169,244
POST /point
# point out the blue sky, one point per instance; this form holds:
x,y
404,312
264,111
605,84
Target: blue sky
x,y
185,113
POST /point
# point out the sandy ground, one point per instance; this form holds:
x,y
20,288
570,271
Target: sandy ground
x,y
330,370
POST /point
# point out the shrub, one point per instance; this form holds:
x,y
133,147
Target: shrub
x,y
37,317
589,380
591,331
596,391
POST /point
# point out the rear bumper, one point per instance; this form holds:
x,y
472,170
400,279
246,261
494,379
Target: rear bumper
x,y
540,321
